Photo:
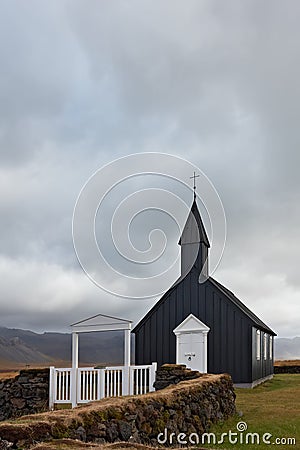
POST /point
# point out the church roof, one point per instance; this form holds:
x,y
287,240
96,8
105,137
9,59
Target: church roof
x,y
240,305
194,231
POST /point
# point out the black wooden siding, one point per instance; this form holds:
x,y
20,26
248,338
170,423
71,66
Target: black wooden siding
x,y
231,347
262,367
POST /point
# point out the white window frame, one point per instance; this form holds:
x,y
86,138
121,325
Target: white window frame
x,y
265,346
258,345
271,347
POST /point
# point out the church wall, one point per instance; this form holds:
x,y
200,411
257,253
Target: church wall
x,y
229,339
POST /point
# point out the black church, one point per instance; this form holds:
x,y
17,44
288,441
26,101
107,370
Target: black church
x,y
204,325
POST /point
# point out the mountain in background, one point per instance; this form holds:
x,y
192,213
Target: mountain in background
x,y
23,346
287,348
13,350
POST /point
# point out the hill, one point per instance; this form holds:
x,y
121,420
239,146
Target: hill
x,y
16,351
24,346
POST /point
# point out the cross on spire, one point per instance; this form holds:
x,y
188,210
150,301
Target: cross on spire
x,y
194,177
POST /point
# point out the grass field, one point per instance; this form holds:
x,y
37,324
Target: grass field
x,y
287,362
273,407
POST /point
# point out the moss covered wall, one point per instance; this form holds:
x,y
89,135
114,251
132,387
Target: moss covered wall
x,y
187,407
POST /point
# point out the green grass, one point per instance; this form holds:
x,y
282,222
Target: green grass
x,y
273,407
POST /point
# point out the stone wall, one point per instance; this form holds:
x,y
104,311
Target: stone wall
x,y
187,407
169,374
27,393
287,369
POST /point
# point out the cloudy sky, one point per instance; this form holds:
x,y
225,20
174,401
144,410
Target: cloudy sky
x,y
83,83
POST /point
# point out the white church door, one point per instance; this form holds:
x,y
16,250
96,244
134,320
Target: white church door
x,y
191,343
190,351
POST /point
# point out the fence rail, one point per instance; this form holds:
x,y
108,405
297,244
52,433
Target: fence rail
x,y
62,385
88,384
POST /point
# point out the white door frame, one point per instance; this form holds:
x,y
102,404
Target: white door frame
x,y
192,325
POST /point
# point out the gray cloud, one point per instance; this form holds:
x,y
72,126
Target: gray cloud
x,y
79,86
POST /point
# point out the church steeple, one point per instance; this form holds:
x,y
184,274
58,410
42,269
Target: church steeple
x,y
194,243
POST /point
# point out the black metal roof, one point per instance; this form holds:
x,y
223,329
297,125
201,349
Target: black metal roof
x,y
256,320
240,305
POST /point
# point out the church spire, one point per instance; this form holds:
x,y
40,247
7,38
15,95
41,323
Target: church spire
x,y
194,241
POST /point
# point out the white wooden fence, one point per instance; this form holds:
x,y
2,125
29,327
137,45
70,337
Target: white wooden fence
x,y
88,384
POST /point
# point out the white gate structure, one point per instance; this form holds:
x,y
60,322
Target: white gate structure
x,y
94,384
85,384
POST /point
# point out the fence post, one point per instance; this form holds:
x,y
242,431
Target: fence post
x,y
102,383
126,380
73,387
52,381
131,380
99,376
152,375
74,369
